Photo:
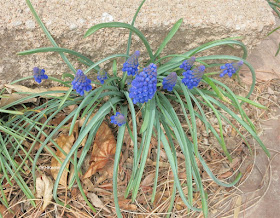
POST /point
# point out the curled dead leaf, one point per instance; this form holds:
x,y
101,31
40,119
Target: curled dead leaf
x,y
103,151
11,97
96,201
44,187
148,181
125,205
65,142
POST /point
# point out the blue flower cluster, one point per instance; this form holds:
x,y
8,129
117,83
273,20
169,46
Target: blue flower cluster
x,y
170,81
118,119
187,64
192,77
131,64
102,76
39,74
81,83
230,68
144,85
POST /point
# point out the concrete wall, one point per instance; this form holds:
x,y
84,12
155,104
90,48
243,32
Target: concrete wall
x,y
67,21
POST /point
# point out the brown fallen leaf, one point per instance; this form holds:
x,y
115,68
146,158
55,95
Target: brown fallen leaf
x,y
95,200
125,204
237,208
20,88
149,180
3,210
13,211
103,151
11,97
65,142
44,187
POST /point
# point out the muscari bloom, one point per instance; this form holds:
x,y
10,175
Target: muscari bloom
x,y
102,76
131,64
81,83
170,81
192,77
187,64
39,74
144,86
230,68
118,119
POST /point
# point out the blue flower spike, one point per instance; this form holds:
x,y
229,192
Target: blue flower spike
x,y
144,86
170,81
81,83
102,76
131,64
192,77
230,68
187,64
39,74
118,119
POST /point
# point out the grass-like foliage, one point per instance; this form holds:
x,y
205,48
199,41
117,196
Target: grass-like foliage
x,y
149,90
275,5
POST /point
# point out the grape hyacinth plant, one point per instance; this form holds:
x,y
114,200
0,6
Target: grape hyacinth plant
x,y
144,85
169,82
39,74
81,83
192,77
131,64
118,119
102,76
230,68
160,84
187,64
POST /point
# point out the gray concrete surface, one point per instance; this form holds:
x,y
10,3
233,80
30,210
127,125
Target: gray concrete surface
x,y
267,67
269,205
263,59
204,21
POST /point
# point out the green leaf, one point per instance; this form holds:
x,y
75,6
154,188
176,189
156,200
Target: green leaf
x,y
223,144
191,111
175,173
120,137
103,60
49,35
56,49
65,97
151,110
97,27
10,112
132,24
244,124
169,36
214,87
146,121
115,68
278,50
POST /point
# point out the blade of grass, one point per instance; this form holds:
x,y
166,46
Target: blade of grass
x,y
41,24
169,36
95,28
116,162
